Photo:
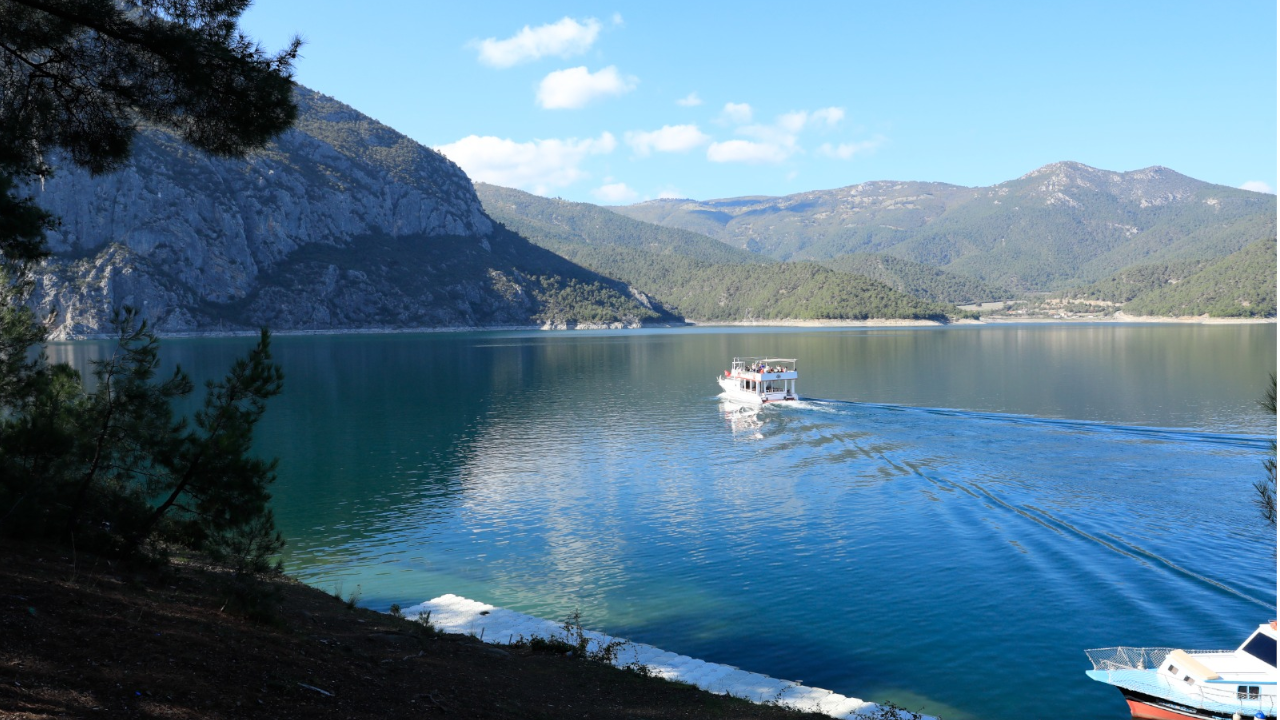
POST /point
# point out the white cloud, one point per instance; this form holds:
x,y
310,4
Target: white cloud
x,y
737,113
617,19
690,100
827,116
565,38
615,193
537,166
780,140
793,122
670,138
1258,186
845,151
747,151
575,87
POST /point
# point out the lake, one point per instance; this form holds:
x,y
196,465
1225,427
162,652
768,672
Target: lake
x,y
947,522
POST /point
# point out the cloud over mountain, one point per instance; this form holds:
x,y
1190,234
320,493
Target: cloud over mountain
x,y
538,165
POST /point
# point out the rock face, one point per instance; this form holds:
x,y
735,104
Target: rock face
x,y
1061,224
315,231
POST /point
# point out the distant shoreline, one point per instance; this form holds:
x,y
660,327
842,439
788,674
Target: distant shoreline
x,y
763,324
1135,319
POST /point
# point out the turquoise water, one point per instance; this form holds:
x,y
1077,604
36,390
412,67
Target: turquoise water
x,y
947,523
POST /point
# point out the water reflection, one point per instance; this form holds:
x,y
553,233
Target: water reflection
x,y
743,419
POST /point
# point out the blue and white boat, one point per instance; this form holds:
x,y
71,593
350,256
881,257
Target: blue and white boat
x,y
1173,684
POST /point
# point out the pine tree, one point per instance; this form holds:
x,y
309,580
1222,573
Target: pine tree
x,y
78,79
1266,488
127,421
209,478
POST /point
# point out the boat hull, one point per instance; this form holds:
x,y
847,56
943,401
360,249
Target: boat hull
x,y
731,392
1149,707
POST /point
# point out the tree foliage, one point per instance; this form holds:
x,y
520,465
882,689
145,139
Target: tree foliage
x,y
1266,487
1242,284
81,76
113,465
923,281
78,78
1136,280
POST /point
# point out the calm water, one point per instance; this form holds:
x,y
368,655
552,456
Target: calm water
x,y
961,513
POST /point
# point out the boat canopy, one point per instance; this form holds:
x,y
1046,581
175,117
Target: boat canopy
x,y
771,364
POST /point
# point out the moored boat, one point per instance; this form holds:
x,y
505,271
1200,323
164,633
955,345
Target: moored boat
x,y
760,380
1173,684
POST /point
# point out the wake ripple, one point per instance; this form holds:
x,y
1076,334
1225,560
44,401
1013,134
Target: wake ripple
x,y
1249,442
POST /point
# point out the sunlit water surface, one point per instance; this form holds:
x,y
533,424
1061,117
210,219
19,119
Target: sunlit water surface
x,y
950,520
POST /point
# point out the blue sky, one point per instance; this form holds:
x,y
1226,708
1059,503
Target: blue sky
x,y
619,103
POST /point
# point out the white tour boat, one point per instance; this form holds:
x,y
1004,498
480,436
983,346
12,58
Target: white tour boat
x,y
759,380
1169,684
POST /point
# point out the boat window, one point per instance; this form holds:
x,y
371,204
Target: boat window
x,y
1263,648
1173,670
1188,680
1247,692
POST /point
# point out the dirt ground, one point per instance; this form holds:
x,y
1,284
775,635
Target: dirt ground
x,y
88,637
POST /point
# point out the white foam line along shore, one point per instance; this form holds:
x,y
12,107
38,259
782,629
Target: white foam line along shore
x,y
454,614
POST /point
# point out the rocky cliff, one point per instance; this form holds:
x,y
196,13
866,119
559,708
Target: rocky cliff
x,y
340,223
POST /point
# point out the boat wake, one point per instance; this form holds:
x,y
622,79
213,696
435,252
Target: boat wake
x,y
1252,442
1121,489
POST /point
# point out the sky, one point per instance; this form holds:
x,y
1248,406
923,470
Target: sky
x,y
619,103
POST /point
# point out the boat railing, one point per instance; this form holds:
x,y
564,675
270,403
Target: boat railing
x,y
745,363
1131,658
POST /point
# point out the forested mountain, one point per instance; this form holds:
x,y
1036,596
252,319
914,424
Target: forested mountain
x,y
1242,284
923,281
1137,280
1060,225
587,224
694,275
340,223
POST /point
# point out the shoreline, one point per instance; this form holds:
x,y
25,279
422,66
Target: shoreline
x,y
1118,318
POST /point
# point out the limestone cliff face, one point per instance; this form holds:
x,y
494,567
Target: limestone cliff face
x,y
202,243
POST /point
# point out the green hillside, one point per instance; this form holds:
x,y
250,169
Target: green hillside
x,y
587,224
1136,280
923,281
1055,227
1241,285
695,276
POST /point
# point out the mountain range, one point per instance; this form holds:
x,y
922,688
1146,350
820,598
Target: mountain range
x,y
694,275
1060,225
344,223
